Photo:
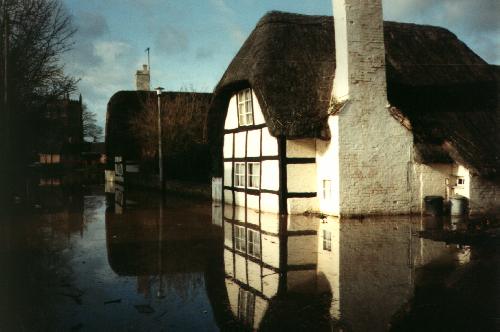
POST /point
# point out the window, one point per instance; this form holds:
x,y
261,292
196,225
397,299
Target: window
x,y
50,158
246,307
239,238
327,189
56,158
253,175
239,174
327,240
245,109
253,243
460,182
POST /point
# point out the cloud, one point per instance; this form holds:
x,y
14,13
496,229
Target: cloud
x,y
475,22
204,52
91,25
170,41
110,67
230,22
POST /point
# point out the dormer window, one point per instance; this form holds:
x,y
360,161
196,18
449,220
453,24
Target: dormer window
x,y
245,109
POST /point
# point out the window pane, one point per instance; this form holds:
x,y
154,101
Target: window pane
x,y
245,113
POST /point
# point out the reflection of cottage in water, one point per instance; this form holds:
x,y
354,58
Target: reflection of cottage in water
x,y
322,273
366,118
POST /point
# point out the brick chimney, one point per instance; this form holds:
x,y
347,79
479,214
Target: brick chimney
x,y
142,79
360,50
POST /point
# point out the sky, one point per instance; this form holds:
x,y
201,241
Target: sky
x,y
193,41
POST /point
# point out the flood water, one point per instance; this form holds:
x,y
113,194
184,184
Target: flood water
x,y
132,261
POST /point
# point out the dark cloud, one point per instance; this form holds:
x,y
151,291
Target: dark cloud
x,y
91,25
203,53
171,41
476,22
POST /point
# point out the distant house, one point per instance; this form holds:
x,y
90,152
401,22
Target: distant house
x,y
94,153
367,118
60,132
132,127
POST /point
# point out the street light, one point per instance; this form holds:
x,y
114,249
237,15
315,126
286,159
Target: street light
x,y
160,152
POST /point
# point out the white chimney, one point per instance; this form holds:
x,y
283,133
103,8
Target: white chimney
x,y
360,50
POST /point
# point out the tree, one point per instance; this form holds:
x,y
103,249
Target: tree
x,y
39,32
34,35
183,123
91,130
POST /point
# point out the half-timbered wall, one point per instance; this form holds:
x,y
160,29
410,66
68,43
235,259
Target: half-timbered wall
x,y
245,145
258,248
301,175
287,178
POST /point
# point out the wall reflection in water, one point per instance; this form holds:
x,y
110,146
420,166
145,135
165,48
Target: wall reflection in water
x,y
293,271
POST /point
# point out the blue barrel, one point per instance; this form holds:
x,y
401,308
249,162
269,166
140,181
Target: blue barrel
x,y
459,205
433,205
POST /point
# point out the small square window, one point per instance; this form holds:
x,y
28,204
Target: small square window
x,y
245,108
460,181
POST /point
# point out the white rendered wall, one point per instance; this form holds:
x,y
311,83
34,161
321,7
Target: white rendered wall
x,y
301,148
239,144
257,111
430,180
301,178
228,146
253,143
329,263
269,143
484,196
374,161
327,160
232,115
269,203
270,175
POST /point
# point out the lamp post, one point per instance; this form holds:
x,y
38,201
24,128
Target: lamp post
x,y
160,151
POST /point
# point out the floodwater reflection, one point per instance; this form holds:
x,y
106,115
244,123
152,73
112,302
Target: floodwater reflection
x,y
304,272
136,261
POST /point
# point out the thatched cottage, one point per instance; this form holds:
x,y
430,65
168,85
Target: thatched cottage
x,y
355,116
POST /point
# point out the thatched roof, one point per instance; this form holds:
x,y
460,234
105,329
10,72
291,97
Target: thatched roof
x,y
125,106
434,79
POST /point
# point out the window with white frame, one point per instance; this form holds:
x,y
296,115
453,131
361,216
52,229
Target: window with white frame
x,y
327,189
460,182
253,175
327,240
253,243
239,238
245,109
239,174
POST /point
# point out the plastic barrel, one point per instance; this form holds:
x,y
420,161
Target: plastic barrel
x,y
459,205
433,205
